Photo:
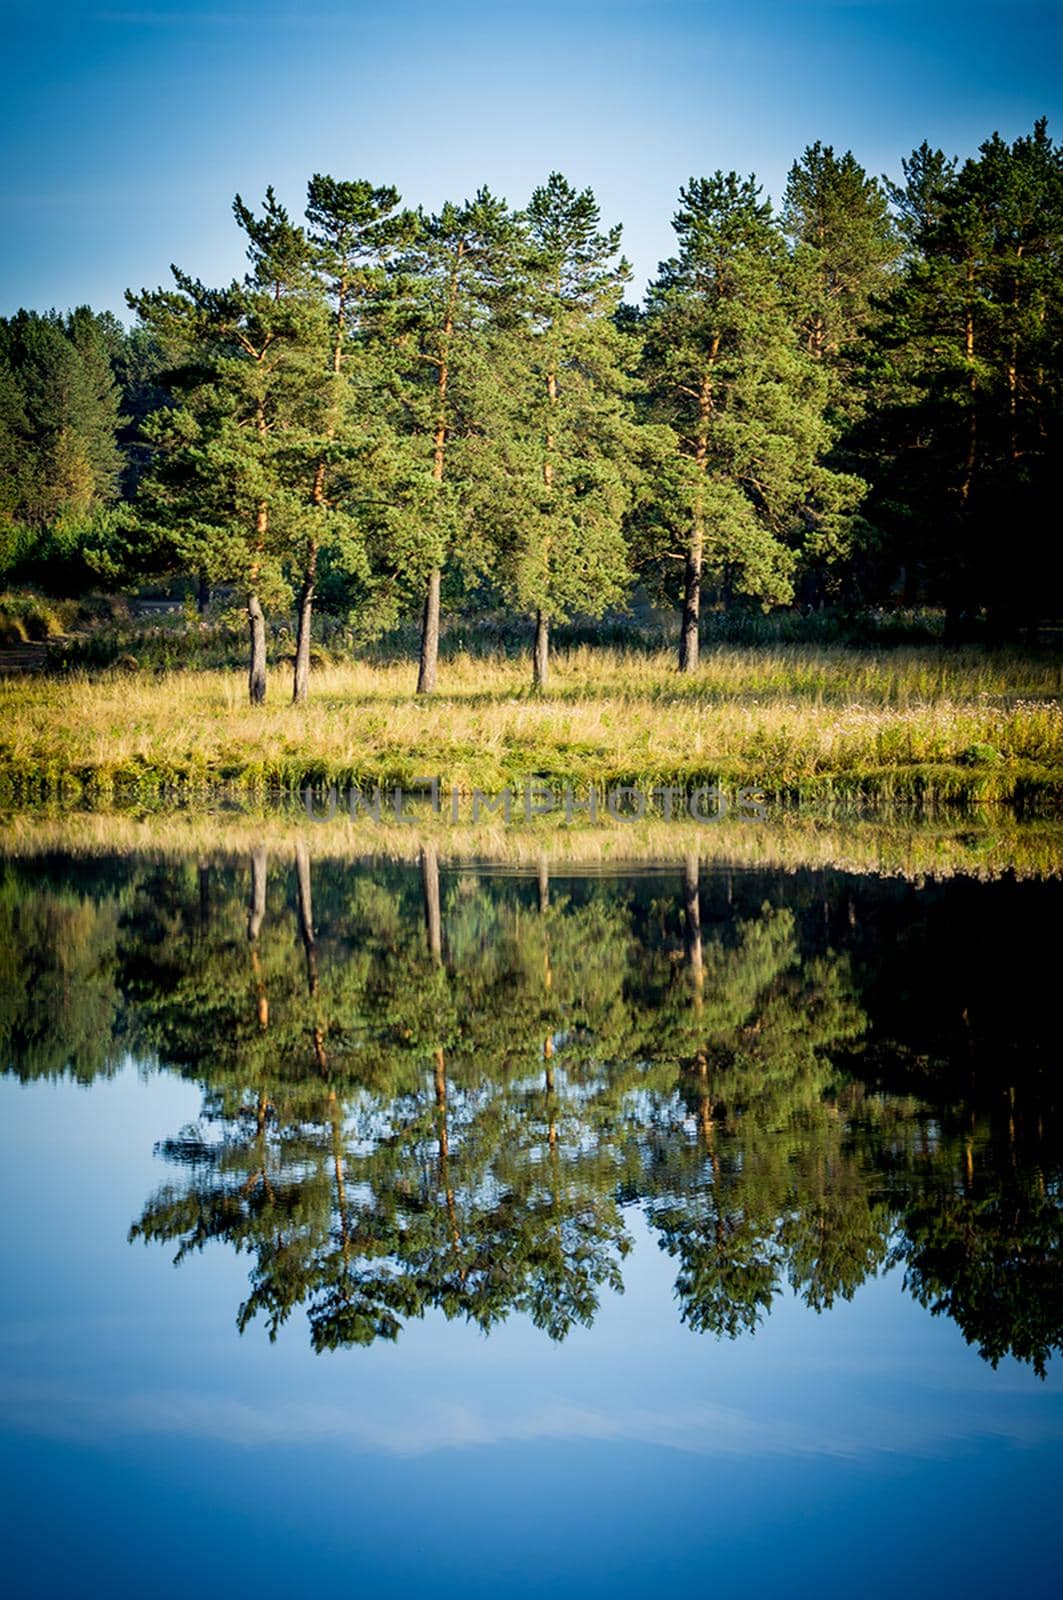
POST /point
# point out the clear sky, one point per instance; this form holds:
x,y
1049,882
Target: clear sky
x,y
127,129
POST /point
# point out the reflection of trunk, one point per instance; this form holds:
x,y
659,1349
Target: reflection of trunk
x,y
551,1134
256,676
706,1124
306,926
260,1173
541,651
441,1108
696,975
306,913
443,1138
256,911
548,971
692,928
430,887
203,874
339,1172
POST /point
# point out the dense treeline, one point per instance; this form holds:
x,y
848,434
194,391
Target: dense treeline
x,y
851,400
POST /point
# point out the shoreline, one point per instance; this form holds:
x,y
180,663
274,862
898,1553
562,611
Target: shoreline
x,y
975,847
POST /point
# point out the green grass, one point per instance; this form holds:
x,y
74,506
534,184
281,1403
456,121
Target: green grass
x,y
901,727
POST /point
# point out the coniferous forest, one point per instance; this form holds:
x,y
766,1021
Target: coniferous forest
x,y
850,400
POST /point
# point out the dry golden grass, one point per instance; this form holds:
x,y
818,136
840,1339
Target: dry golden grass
x,y
790,718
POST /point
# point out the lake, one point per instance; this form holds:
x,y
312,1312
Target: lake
x,y
422,1227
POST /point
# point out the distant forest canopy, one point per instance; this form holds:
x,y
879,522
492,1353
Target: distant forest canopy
x,y
854,400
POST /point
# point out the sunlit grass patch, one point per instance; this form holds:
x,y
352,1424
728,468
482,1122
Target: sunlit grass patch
x,y
793,719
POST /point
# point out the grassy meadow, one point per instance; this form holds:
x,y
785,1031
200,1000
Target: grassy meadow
x,y
838,727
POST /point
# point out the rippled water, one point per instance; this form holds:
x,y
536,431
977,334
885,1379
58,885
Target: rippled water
x,y
542,1233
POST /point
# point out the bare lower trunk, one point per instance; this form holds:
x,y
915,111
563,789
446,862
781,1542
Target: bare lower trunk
x,y
256,678
301,679
203,595
689,639
541,651
426,677
430,886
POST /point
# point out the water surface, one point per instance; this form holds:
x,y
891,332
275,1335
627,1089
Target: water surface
x,y
625,1235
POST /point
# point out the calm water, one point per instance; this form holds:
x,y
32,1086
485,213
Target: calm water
x,y
540,1234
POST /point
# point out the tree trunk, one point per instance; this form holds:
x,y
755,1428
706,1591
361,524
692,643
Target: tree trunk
x,y
203,595
426,677
306,926
256,912
301,678
690,636
256,678
306,913
692,927
541,652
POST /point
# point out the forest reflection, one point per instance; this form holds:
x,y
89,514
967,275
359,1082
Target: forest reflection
x,y
430,1089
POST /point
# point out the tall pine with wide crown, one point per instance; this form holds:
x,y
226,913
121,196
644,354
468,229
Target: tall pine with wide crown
x,y
230,484
561,476
727,369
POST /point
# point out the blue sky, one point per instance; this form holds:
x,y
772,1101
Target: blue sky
x,y
127,129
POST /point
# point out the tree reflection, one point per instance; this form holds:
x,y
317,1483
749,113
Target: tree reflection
x,y
433,1091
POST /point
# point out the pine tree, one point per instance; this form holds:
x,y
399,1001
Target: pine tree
x,y
452,286
917,202
233,460
352,227
728,372
61,415
845,244
969,418
561,474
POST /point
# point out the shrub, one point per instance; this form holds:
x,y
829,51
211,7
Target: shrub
x,y
981,755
